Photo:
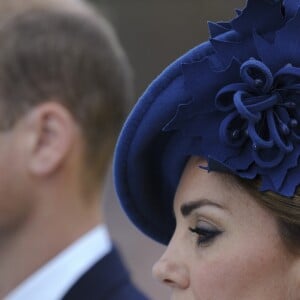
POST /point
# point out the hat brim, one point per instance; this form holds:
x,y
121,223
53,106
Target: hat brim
x,y
148,161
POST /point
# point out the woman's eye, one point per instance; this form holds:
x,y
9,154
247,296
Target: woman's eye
x,y
205,236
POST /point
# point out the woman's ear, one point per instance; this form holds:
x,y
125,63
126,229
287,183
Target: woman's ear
x,y
52,132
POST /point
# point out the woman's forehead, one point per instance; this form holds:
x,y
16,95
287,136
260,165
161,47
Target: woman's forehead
x,y
197,183
217,195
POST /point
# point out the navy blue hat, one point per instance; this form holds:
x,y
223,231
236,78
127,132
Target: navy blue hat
x,y
234,100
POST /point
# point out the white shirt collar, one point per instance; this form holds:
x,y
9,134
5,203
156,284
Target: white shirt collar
x,y
57,276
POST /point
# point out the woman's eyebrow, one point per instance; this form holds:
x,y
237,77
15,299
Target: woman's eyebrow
x,y
187,208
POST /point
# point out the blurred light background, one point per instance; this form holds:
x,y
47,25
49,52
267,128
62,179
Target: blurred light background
x,y
153,33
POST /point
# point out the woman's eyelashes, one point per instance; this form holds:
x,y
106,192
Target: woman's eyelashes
x,y
205,234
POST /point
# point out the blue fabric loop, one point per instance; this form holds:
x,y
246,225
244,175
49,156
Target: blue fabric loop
x,y
269,102
296,136
242,109
257,75
223,100
276,136
293,87
270,163
287,71
256,139
227,129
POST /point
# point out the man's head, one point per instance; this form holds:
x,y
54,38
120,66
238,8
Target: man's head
x,y
67,55
64,85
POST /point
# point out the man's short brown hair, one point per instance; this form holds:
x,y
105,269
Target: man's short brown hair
x,y
69,55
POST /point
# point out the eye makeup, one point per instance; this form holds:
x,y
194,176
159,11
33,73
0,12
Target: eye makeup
x,y
205,232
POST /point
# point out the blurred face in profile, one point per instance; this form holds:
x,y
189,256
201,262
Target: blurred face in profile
x,y
225,246
16,200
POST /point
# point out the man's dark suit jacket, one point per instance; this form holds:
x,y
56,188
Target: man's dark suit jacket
x,y
108,279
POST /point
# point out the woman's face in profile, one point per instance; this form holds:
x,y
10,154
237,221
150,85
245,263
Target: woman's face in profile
x,y
225,246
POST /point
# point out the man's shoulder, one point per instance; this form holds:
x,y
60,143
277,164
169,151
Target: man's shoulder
x,y
107,279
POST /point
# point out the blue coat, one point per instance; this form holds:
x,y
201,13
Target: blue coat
x,y
108,279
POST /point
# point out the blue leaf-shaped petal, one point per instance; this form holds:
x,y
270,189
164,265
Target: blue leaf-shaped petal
x,y
266,184
209,148
249,173
292,180
286,46
210,121
225,25
183,113
238,12
215,165
202,82
260,15
266,52
203,142
241,51
279,173
216,29
243,160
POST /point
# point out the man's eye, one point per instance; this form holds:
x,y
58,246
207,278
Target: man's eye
x,y
205,236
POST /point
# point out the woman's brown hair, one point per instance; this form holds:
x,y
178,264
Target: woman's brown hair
x,y
286,211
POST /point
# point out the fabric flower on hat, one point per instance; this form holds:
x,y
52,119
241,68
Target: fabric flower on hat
x,y
244,110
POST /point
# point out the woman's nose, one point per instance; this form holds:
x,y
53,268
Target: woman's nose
x,y
171,272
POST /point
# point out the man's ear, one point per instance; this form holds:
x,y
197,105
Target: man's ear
x,y
52,133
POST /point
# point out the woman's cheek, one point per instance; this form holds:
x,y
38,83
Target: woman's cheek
x,y
246,273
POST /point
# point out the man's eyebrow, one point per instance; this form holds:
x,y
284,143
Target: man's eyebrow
x,y
187,208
